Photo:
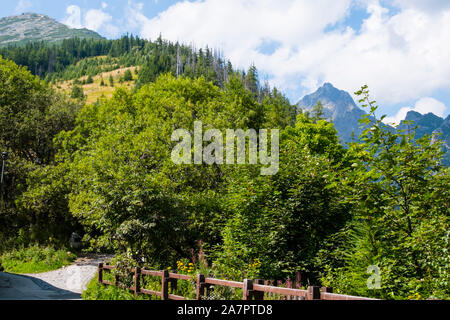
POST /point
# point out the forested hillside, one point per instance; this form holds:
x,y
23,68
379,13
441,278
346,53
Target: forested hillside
x,y
61,61
104,170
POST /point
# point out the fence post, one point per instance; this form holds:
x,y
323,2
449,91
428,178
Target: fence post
x,y
313,293
326,289
247,290
200,286
274,283
298,280
174,285
165,285
100,273
289,285
137,281
259,295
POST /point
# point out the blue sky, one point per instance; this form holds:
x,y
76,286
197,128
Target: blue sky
x,y
400,48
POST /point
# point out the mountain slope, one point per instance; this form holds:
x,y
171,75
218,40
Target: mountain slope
x,y
426,124
430,124
339,107
30,27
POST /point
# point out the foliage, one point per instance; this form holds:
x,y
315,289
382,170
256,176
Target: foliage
x,y
77,93
283,219
89,80
36,259
96,291
31,114
44,58
128,76
105,171
125,190
399,192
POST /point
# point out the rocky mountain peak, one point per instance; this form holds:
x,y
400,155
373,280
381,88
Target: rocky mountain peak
x,y
335,101
29,27
339,107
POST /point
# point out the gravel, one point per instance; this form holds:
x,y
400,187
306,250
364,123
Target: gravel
x,y
65,283
75,277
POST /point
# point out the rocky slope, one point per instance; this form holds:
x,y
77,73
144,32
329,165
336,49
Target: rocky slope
x,y
341,109
30,27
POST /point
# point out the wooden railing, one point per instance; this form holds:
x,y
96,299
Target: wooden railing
x,y
251,289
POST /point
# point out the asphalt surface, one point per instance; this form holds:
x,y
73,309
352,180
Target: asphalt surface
x,y
20,287
63,284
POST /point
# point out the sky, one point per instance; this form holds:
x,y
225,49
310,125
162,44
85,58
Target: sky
x,y
399,48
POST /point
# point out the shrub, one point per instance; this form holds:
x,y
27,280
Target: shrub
x,y
128,76
96,291
36,259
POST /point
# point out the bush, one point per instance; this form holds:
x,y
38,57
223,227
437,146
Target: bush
x,y
77,93
128,76
89,80
36,259
96,291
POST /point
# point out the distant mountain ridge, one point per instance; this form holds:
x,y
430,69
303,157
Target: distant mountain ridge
x,y
430,124
340,108
29,27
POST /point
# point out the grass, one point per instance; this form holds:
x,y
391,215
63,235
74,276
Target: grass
x,y
35,259
96,291
94,90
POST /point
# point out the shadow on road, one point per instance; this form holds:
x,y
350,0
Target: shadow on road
x,y
25,287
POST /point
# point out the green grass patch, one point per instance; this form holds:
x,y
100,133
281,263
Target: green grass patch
x,y
96,291
35,259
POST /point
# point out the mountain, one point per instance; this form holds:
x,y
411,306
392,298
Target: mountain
x,y
339,107
426,124
430,124
29,27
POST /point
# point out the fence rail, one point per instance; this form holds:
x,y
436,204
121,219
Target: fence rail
x,y
251,289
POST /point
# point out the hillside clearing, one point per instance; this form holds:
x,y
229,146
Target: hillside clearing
x,y
95,90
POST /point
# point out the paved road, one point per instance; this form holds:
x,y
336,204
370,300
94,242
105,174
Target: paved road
x,y
20,287
64,284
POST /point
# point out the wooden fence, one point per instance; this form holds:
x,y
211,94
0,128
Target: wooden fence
x,y
251,289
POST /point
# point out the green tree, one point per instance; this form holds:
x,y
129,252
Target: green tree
x,y
31,114
129,194
400,194
89,80
283,219
77,93
127,76
252,81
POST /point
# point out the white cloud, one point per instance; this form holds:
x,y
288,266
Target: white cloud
x,y
402,56
426,5
93,19
426,105
22,6
73,18
423,106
